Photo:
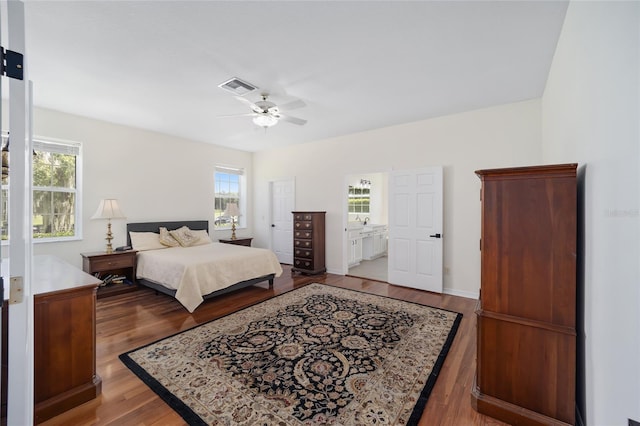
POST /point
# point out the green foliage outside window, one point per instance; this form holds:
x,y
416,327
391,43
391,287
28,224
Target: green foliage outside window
x,y
54,183
359,199
55,189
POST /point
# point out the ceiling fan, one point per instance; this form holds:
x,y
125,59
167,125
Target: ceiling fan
x,y
266,114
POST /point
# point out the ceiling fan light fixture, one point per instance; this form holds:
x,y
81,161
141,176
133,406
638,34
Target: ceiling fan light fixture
x,y
265,120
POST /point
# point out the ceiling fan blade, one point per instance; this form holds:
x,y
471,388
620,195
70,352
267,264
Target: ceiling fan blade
x,y
294,120
299,103
249,114
254,107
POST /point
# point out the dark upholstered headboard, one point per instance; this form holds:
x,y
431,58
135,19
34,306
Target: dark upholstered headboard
x,y
155,226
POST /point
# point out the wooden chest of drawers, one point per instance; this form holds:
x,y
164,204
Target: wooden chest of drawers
x,y
309,242
64,337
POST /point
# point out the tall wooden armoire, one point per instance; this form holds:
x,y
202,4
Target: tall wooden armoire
x,y
526,348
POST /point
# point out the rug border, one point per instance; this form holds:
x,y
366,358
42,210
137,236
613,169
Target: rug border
x,y
192,418
421,404
175,403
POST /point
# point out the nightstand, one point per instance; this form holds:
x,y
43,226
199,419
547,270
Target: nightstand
x,y
238,241
101,264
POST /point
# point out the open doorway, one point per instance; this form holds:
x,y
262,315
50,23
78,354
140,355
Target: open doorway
x,y
367,225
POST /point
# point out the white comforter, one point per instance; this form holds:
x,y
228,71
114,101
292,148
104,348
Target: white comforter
x,y
200,270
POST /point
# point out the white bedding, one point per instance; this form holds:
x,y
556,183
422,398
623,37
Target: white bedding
x,y
196,271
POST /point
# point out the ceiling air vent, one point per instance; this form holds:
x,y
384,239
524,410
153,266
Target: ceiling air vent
x,y
237,86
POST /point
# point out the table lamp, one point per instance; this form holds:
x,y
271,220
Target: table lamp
x,y
108,209
232,211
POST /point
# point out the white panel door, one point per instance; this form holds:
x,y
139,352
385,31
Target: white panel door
x,y
415,228
282,204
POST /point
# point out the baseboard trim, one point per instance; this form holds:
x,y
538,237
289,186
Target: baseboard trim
x,y
450,291
462,293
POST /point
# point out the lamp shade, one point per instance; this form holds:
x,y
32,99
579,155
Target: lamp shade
x,y
232,210
108,209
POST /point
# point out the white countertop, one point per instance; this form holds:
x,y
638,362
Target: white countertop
x,y
51,274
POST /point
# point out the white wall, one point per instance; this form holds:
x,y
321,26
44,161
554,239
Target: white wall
x,y
153,176
591,116
507,135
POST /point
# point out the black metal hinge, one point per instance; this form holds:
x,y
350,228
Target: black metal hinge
x,y
11,64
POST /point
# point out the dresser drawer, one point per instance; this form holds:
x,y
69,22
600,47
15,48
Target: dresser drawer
x,y
302,216
303,225
303,263
303,243
112,262
302,234
303,253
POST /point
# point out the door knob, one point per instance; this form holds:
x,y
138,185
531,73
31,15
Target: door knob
x,y
436,236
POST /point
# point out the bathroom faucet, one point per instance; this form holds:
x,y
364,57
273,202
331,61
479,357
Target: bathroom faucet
x,y
366,219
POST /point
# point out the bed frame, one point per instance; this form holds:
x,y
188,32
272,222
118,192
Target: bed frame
x,y
195,225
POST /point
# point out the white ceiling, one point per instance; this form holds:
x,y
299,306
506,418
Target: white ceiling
x,y
357,65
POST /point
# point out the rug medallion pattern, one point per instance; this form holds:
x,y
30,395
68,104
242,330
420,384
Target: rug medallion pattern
x,y
315,355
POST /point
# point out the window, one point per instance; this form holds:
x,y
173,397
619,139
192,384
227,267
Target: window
x,y
360,197
230,187
56,191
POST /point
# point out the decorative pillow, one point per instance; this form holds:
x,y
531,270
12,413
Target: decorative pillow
x,y
184,236
203,237
167,239
142,241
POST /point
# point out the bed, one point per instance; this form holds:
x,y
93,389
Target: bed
x,y
202,271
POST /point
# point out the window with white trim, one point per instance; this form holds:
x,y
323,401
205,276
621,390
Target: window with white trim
x,y
230,187
56,175
359,198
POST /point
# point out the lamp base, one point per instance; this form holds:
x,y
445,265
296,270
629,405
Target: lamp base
x,y
109,238
233,229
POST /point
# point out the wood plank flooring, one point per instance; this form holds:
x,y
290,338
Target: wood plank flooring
x,y
127,321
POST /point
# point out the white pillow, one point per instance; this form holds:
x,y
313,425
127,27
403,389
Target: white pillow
x,y
203,237
184,236
142,241
166,238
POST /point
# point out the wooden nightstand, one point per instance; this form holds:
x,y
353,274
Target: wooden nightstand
x,y
101,264
238,241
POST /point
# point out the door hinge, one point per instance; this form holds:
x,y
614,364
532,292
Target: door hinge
x,y
11,64
16,290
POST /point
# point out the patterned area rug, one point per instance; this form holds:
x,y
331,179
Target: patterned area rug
x,y
313,356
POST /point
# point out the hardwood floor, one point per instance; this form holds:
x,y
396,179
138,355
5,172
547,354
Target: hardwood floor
x,y
127,321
